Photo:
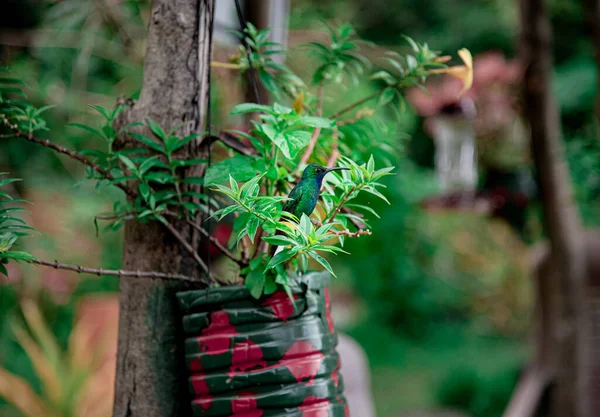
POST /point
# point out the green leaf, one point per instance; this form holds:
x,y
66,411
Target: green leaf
x,y
270,285
371,165
279,240
102,111
317,122
159,177
255,282
147,141
87,129
239,167
373,191
252,227
129,126
128,163
278,139
322,261
386,96
184,141
156,129
18,255
251,107
144,190
281,257
147,165
233,184
297,141
306,225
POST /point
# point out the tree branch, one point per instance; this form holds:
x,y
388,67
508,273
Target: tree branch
x,y
112,272
186,245
62,150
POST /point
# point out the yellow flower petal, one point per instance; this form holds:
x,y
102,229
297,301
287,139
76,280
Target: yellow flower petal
x,y
299,103
443,59
462,72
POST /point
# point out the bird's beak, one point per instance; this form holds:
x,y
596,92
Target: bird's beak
x,y
338,169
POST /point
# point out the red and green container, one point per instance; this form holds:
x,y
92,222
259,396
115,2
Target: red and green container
x,y
263,358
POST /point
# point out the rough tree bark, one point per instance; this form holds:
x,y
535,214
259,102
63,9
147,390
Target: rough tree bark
x,y
561,216
174,93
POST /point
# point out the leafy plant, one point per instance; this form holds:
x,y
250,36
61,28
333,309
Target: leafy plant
x,y
162,186
11,228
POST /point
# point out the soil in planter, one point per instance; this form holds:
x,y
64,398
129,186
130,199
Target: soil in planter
x,y
263,358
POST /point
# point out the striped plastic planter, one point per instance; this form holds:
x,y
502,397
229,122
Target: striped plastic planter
x,y
263,358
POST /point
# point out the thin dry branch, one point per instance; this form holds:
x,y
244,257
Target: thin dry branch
x,y
62,150
315,136
345,232
186,245
356,104
335,150
361,114
215,242
113,272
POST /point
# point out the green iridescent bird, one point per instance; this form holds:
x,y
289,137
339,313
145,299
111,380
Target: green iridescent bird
x,y
304,196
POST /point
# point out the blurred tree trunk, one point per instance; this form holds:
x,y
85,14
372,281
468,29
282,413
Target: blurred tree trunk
x,y
150,373
561,216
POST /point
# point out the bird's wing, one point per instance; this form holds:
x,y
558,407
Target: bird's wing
x,y
294,199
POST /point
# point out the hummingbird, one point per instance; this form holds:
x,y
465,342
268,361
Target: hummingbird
x,y
304,196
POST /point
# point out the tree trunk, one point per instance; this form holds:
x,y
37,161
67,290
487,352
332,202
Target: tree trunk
x,y
560,213
150,379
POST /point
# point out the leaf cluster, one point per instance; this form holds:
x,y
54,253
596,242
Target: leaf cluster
x,y
11,229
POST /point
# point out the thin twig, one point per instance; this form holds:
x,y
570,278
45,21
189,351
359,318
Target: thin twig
x,y
356,104
361,114
186,245
341,203
315,136
345,232
348,233
335,150
62,150
113,272
245,248
215,242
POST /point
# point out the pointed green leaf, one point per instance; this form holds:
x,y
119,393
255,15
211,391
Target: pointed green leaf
x,y
322,261
255,282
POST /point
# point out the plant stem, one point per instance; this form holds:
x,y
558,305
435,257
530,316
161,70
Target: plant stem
x,y
186,245
356,104
215,242
343,201
217,64
112,272
62,150
335,150
315,136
